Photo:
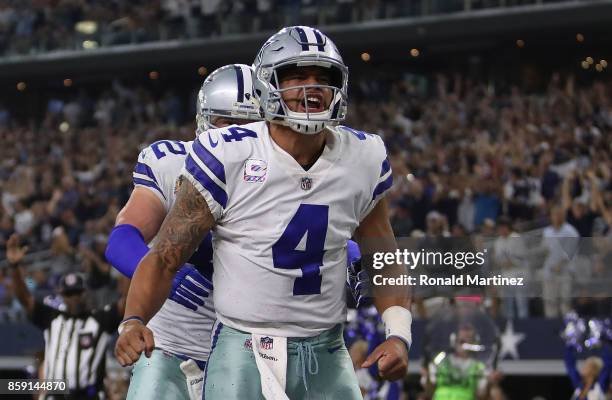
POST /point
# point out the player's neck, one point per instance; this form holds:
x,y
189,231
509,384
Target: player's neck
x,y
305,149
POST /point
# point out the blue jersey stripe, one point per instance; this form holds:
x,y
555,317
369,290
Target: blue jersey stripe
x,y
386,166
215,190
383,186
144,182
144,169
209,160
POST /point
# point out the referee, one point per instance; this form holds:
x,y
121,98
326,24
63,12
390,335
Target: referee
x,y
76,338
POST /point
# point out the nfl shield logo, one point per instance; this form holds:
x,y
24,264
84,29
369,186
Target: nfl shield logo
x,y
306,183
267,343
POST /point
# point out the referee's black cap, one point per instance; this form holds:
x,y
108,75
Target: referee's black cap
x,y
72,283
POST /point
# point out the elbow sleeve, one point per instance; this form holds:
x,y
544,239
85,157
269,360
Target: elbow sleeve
x,y
125,248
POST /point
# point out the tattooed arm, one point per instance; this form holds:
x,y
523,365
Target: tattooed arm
x,y
187,223
181,232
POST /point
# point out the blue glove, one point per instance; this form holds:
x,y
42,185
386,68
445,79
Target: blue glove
x,y
356,279
190,288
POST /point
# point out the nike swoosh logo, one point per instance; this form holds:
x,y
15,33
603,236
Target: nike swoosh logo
x,y
212,144
332,350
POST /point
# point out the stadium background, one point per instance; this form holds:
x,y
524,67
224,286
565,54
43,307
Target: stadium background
x,y
472,97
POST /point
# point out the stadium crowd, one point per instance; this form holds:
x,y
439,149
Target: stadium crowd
x,y
465,159
35,26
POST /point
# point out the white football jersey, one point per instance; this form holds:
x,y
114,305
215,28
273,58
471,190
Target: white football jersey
x,y
280,238
176,328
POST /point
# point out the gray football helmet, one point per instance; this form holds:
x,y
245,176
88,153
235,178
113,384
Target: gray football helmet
x,y
227,92
300,46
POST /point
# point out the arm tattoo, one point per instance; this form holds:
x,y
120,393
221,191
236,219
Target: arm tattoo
x,y
187,223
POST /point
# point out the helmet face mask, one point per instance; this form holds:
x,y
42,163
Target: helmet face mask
x,y
227,93
297,47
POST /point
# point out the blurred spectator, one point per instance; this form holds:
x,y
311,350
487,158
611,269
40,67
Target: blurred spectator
x,y
509,255
458,374
581,211
98,271
593,379
63,255
560,240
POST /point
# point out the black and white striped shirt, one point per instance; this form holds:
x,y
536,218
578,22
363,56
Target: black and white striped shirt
x,y
75,345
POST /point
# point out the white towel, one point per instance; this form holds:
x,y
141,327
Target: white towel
x,y
271,357
194,377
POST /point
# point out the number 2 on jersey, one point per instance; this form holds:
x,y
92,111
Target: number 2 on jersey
x,y
172,146
310,224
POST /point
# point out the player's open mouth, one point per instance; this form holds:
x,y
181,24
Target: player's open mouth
x,y
314,102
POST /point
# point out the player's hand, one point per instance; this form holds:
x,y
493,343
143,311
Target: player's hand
x,y
392,358
190,288
14,252
135,339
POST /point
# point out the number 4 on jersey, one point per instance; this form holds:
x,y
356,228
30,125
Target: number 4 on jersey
x,y
310,224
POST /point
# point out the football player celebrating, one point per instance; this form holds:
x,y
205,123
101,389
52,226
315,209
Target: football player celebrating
x,y
182,328
282,197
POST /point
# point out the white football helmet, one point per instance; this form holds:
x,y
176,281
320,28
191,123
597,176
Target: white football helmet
x,y
300,46
227,92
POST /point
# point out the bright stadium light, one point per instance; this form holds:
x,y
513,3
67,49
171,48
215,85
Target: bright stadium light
x,y
414,52
365,57
21,86
86,27
90,44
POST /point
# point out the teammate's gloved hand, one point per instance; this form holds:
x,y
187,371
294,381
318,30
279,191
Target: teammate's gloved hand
x,y
135,338
356,278
190,288
392,358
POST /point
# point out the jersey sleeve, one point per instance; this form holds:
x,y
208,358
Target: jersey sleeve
x,y
383,179
205,169
148,173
